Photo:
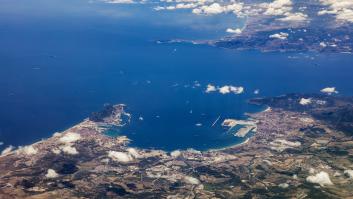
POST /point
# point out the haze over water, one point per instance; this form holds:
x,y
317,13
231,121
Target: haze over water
x,y
61,60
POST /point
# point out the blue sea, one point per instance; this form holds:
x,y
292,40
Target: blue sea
x,y
62,60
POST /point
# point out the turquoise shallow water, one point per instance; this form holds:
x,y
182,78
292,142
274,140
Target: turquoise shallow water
x,y
57,67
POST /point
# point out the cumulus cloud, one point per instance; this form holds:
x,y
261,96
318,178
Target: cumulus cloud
x,y
51,174
216,8
305,101
191,180
277,7
283,185
280,35
70,137
281,144
120,156
210,88
57,134
234,31
133,152
196,84
7,150
323,44
27,150
212,9
228,89
68,149
177,6
175,153
119,1
294,17
283,8
158,8
237,90
320,102
56,151
329,90
321,178
185,5
225,89
349,173
343,9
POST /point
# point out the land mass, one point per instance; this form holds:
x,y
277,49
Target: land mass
x,y
300,39
298,151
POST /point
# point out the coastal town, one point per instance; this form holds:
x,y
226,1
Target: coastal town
x,y
292,154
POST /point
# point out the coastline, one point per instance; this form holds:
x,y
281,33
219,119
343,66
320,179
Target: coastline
x,y
104,126
83,158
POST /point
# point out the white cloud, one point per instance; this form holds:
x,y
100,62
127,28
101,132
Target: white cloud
x,y
1,143
342,9
70,137
28,150
323,44
237,90
210,88
304,101
212,9
133,152
69,150
234,31
196,84
51,174
119,1
185,5
349,173
158,8
188,1
56,151
283,185
57,134
329,90
235,7
191,180
294,17
7,150
277,7
321,102
120,156
228,89
224,89
321,178
283,8
175,153
281,145
280,35
177,6
216,8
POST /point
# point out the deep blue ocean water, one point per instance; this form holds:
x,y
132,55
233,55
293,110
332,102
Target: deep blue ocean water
x,y
61,60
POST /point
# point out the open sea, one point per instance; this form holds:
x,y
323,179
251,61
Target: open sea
x,y
60,60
